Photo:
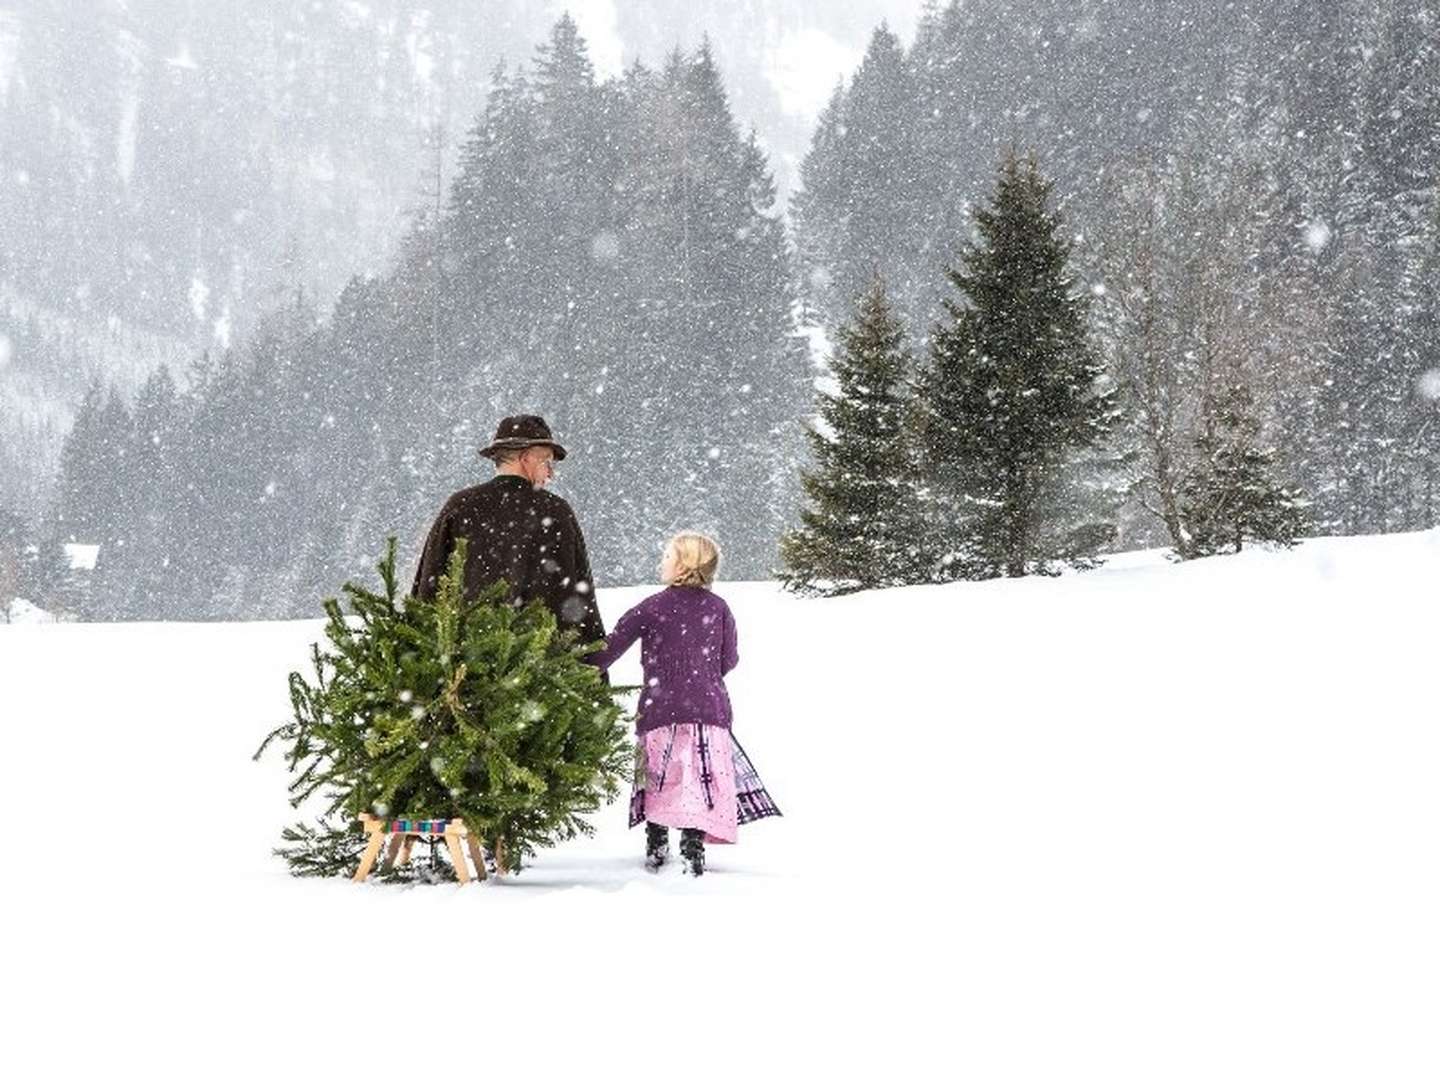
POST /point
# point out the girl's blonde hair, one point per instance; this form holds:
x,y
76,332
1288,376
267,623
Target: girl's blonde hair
x,y
697,557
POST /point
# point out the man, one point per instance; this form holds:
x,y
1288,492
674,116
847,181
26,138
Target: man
x,y
517,532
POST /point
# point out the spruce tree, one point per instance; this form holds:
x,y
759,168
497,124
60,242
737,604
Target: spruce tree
x,y
132,580
709,380
449,708
80,495
1232,495
861,210
50,582
1014,394
1424,433
860,528
816,211
12,559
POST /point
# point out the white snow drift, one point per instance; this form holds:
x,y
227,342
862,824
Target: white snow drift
x,y
1151,821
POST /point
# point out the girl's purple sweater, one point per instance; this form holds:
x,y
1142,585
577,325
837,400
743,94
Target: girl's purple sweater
x,y
687,645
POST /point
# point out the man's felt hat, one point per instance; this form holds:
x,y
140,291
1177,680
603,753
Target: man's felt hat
x,y
521,433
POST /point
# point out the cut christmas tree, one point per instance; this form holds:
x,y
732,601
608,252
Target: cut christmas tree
x,y
445,708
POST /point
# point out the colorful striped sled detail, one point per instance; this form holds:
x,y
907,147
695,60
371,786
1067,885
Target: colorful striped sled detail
x,y
428,825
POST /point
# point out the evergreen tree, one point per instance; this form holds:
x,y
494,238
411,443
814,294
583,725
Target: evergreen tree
x,y
84,488
1369,388
133,582
1232,495
770,378
700,403
861,212
94,500
51,583
860,529
194,567
446,708
1364,472
1400,122
494,217
356,490
12,559
1014,394
816,211
115,493
1423,433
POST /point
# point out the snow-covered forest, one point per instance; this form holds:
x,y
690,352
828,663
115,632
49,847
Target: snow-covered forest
x,y
268,278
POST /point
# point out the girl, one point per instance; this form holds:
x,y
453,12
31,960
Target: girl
x,y
691,773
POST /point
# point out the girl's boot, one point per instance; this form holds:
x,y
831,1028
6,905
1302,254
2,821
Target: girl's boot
x,y
657,845
692,850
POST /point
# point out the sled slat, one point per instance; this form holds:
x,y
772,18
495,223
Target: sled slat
x,y
457,857
477,855
372,851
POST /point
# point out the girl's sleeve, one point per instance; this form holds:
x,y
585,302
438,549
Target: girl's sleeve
x,y
620,639
732,647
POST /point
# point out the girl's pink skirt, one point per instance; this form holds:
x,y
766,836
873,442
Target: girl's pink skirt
x,y
679,760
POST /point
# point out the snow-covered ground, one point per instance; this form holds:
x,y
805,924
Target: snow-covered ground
x,y
1153,821
21,610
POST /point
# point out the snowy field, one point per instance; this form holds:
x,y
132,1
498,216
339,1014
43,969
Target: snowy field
x,y
1154,821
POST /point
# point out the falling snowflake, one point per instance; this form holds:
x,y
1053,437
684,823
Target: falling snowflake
x,y
1428,385
605,247
223,329
182,59
199,297
1317,236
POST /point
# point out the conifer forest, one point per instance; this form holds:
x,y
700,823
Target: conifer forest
x,y
1028,283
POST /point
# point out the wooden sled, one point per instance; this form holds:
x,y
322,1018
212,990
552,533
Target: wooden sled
x,y
403,833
